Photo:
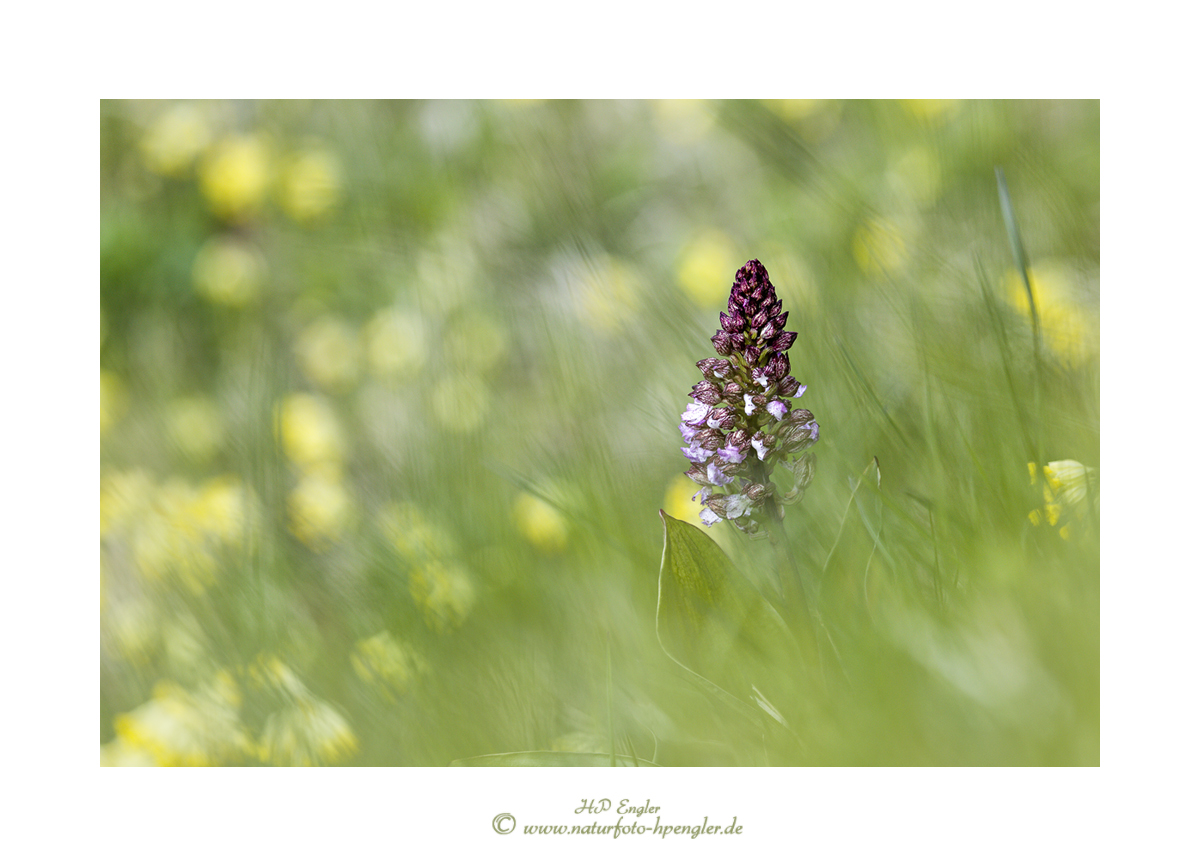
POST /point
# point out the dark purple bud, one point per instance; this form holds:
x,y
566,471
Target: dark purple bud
x,y
784,341
739,341
697,473
732,391
778,367
752,352
800,416
759,320
722,342
755,492
788,386
738,439
732,323
706,392
778,319
709,439
722,418
718,368
767,332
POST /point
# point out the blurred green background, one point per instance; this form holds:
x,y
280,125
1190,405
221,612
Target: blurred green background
x,y
389,405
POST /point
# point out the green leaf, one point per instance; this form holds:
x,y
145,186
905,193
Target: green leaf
x,y
716,624
550,759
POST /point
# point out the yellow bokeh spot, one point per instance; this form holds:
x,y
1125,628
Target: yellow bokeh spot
x,y
319,510
195,426
931,109
235,175
228,272
444,591
879,247
175,138
178,727
395,345
815,119
114,399
389,665
609,293
682,121
176,531
328,352
540,523
305,731
310,184
310,433
1068,328
414,535
678,502
707,267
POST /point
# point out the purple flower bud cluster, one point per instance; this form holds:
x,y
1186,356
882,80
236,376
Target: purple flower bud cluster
x,y
740,423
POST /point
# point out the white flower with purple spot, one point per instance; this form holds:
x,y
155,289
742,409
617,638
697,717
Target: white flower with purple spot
x,y
760,446
731,455
777,408
717,476
709,517
696,452
736,505
695,413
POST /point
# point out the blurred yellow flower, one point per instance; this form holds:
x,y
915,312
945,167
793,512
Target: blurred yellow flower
x,y
413,534
444,591
879,247
541,523
388,665
1071,493
114,399
194,424
328,353
229,272
235,175
175,138
225,509
176,531
178,727
319,510
310,183
310,433
121,754
1070,330
308,733
132,627
167,543
305,731
705,266
124,496
395,344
